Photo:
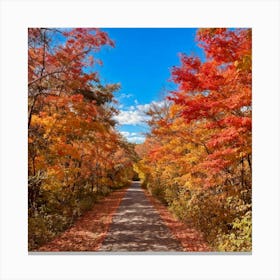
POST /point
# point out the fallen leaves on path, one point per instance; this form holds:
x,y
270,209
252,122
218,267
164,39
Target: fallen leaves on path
x,y
191,239
88,233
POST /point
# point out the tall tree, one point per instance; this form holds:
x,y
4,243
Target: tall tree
x,y
197,158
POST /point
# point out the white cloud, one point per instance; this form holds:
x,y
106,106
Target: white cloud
x,y
144,108
125,133
136,115
131,117
134,137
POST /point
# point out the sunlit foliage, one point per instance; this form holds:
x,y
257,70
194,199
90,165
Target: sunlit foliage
x,y
198,156
75,153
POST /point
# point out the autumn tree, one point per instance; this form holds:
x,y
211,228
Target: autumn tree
x,y
198,157
75,153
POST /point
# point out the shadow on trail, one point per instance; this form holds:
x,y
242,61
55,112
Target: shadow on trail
x,y
137,226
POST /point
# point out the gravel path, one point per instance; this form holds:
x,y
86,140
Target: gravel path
x,y
137,226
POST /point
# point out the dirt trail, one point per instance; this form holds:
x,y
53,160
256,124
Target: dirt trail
x,y
136,226
128,221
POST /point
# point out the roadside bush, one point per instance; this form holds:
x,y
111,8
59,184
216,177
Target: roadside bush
x,y
38,232
55,211
240,237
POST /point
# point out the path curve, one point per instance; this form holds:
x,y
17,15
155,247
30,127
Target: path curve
x,y
137,226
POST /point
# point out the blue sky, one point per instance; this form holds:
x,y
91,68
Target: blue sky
x,y
141,62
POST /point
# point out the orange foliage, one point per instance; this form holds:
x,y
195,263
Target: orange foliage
x,y
200,145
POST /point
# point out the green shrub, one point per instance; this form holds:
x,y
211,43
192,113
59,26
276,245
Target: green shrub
x,y
38,232
224,220
240,237
86,203
158,192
